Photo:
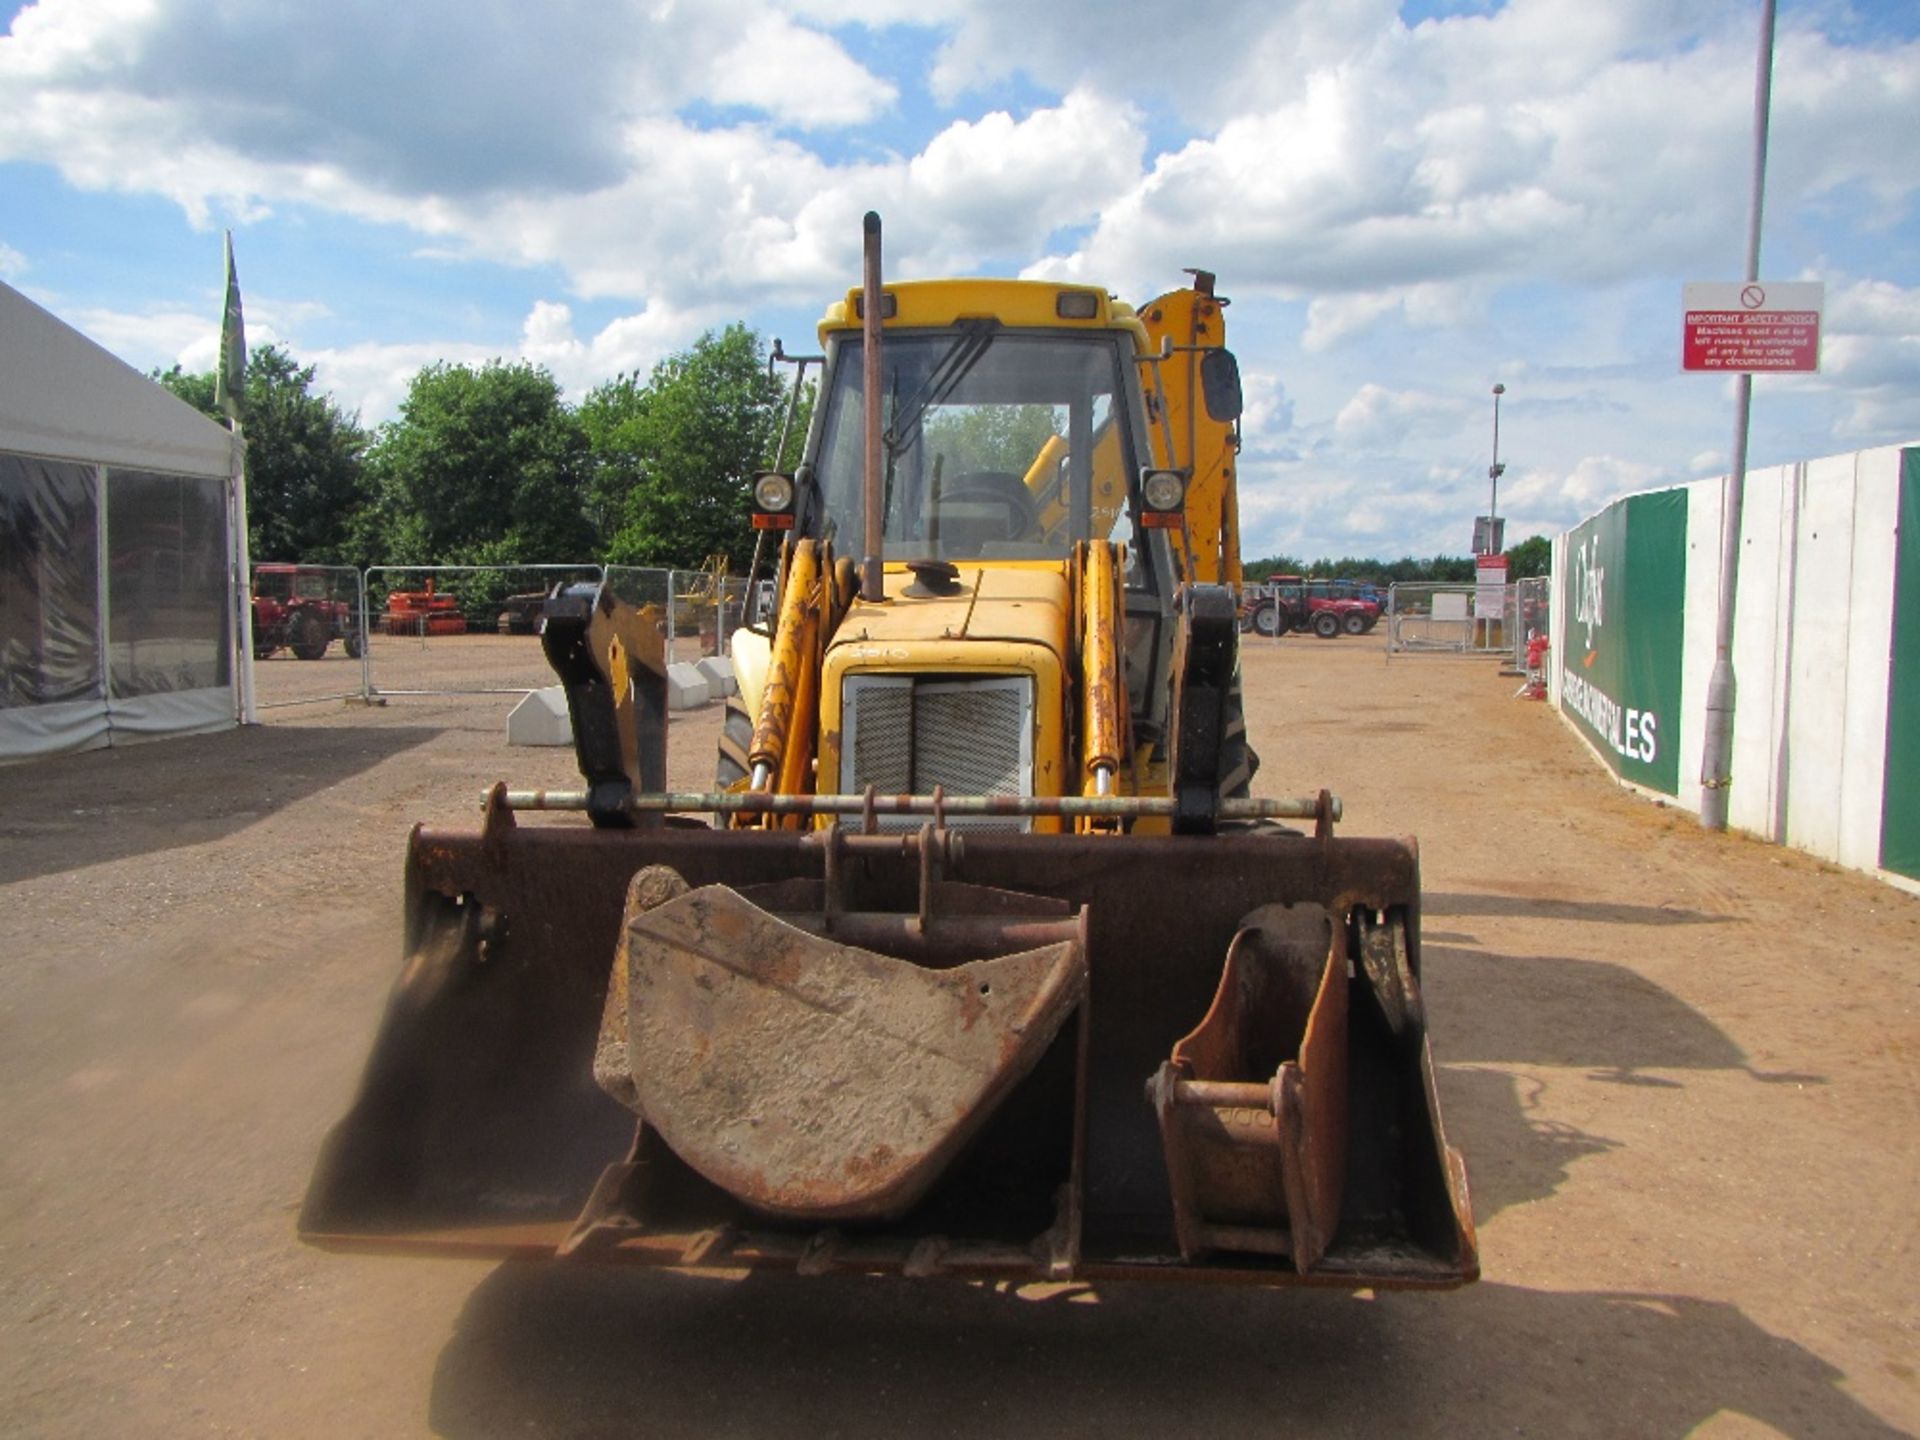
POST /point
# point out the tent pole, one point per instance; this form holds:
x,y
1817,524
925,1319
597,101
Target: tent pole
x,y
242,570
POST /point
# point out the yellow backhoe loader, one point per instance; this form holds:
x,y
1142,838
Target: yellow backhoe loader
x,y
980,959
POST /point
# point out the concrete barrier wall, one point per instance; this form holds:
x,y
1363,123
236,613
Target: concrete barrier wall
x,y
1818,712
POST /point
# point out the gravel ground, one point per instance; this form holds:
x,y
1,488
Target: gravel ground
x,y
1680,1067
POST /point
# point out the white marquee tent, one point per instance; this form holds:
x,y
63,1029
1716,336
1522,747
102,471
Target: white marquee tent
x,y
117,562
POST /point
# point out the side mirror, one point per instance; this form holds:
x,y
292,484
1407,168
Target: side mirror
x,y
1220,385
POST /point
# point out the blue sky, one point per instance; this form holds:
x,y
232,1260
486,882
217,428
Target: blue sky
x,y
1406,202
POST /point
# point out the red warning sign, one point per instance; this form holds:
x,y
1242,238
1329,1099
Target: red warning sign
x,y
1755,328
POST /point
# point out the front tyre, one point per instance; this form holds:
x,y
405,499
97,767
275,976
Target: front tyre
x,y
1239,762
732,769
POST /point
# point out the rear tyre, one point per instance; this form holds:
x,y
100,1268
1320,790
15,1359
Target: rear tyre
x,y
731,768
1354,623
1267,620
354,642
309,636
1326,625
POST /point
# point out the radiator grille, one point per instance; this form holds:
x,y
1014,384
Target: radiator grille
x,y
906,734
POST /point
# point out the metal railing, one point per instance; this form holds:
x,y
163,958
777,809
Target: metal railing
x,y
309,634
461,629
1448,619
1528,613
468,629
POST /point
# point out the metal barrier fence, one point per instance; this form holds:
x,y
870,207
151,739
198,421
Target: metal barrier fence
x,y
1448,619
702,611
705,611
1529,613
461,629
309,634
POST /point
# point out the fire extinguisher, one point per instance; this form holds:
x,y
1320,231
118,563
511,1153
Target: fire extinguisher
x,y
1537,649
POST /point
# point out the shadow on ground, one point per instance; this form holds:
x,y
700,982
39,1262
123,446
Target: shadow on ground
x,y
1591,1014
1515,1152
68,811
558,1351
1456,904
1553,1012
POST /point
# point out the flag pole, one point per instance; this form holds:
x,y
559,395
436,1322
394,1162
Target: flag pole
x,y
230,394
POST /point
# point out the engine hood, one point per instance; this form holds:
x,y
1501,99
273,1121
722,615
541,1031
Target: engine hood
x,y
1025,604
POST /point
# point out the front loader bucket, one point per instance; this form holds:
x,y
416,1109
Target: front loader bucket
x,y
1022,1056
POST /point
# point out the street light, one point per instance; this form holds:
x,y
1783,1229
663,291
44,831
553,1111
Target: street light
x,y
1494,472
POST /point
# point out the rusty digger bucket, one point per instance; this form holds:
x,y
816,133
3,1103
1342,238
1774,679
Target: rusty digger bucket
x,y
979,1053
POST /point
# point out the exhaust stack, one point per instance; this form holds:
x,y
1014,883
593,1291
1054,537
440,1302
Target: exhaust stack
x,y
872,560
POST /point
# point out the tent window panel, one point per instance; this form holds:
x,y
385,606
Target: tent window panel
x,y
49,582
166,583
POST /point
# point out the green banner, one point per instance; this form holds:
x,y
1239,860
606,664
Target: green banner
x,y
1625,602
1900,797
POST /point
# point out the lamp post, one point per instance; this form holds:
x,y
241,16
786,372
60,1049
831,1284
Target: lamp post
x,y
1494,471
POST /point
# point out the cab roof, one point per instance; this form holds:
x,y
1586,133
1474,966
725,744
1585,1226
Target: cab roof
x,y
1028,304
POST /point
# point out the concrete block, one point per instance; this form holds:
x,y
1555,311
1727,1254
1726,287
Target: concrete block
x,y
541,719
686,686
719,672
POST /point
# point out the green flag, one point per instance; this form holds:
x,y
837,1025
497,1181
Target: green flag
x,y
230,378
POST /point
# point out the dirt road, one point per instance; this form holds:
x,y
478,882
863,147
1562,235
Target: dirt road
x,y
1680,1067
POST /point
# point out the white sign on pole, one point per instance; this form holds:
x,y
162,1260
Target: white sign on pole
x,y
1490,593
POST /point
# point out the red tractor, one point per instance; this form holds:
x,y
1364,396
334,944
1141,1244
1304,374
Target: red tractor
x,y
1270,611
1358,606
297,608
1291,602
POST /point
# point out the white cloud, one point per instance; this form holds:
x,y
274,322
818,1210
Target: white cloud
x,y
1590,483
155,339
1378,418
631,343
878,14
364,106
12,263
795,74
1266,408
1405,211
1333,318
1563,142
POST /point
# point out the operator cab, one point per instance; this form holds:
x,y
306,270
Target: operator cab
x,y
997,444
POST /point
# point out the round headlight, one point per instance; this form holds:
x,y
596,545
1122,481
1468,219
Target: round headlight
x,y
1163,489
773,492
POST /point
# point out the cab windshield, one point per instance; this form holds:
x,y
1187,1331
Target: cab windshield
x,y
997,444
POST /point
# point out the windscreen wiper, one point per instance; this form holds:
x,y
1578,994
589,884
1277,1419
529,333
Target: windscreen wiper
x,y
947,372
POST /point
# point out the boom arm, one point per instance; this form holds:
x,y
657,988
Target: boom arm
x,y
1207,445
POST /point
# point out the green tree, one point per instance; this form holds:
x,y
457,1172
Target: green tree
x,y
992,437
674,458
483,467
1532,556
1274,565
308,491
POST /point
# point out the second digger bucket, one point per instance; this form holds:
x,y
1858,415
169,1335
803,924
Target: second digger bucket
x,y
902,1053
809,1078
